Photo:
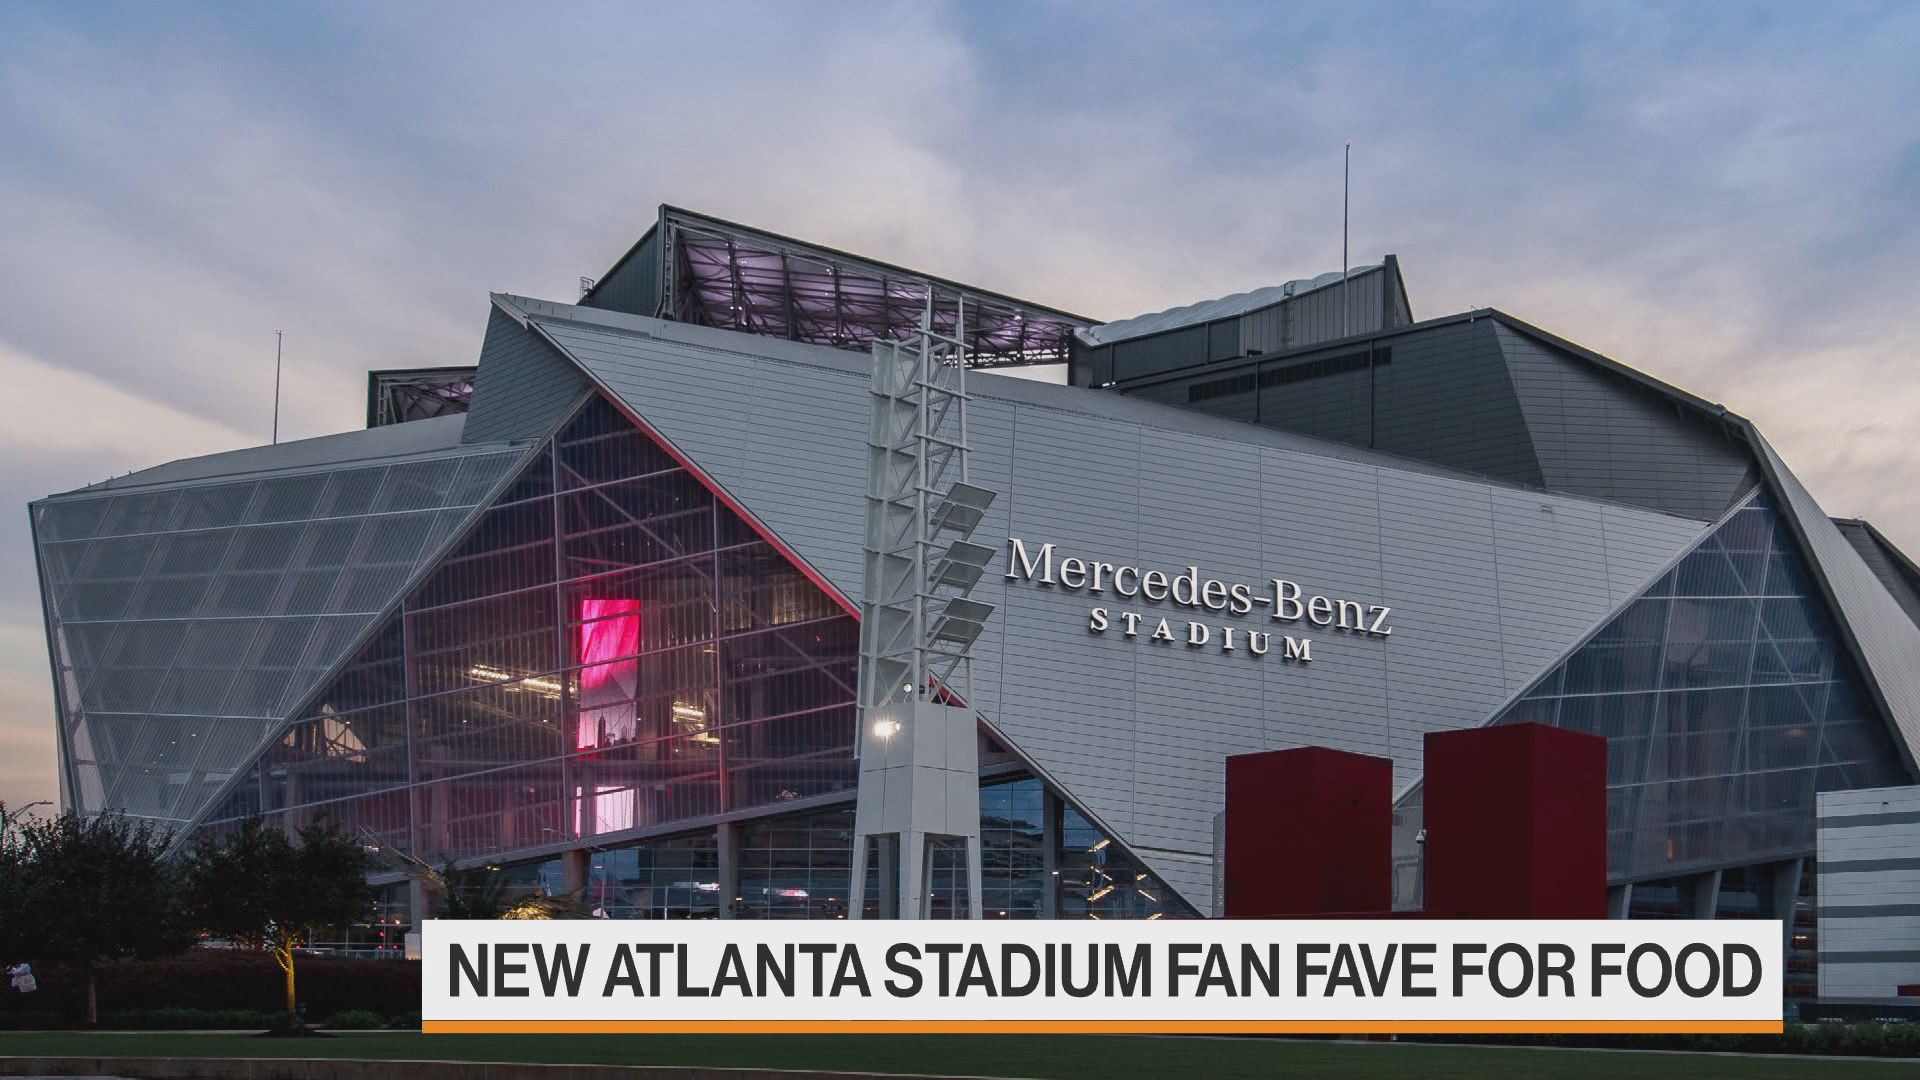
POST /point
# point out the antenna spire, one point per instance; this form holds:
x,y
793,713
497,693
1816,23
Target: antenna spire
x,y
277,338
1346,189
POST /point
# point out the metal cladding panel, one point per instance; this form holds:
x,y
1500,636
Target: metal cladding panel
x,y
1869,866
1440,394
1137,731
1885,564
991,426
324,452
1178,766
1323,314
632,286
1229,328
700,397
1160,352
1600,435
1618,551
797,467
1444,659
1063,700
188,622
523,387
1266,330
1320,522
1336,311
1446,398
1336,404
1886,640
1532,542
1640,545
1235,397
1206,311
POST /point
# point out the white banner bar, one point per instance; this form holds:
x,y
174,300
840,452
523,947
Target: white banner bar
x,y
1210,975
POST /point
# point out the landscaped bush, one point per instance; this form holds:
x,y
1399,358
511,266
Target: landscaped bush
x,y
229,981
406,1022
29,1020
179,1018
357,1019
1865,1039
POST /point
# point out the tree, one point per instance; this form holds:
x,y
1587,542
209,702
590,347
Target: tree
x,y
264,891
84,890
13,885
470,895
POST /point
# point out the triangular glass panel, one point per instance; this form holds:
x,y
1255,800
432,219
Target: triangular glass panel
x,y
607,649
1727,699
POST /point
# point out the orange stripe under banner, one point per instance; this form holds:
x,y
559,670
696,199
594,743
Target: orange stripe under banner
x,y
1104,1027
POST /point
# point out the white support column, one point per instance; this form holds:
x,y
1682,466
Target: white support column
x,y
419,898
857,885
1703,894
1050,854
575,866
919,782
1783,895
727,842
976,903
913,875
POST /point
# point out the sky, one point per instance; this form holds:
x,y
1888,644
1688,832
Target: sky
x,y
1725,195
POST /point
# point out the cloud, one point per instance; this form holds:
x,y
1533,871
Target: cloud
x,y
76,415
1722,198
28,770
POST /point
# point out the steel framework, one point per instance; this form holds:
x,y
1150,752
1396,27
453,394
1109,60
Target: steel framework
x,y
715,273
919,759
397,396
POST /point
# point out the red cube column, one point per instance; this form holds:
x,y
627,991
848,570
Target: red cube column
x,y
1309,831
1516,822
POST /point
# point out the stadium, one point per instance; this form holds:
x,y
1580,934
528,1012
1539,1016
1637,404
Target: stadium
x,y
582,618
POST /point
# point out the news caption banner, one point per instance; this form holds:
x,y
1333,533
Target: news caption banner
x,y
1213,976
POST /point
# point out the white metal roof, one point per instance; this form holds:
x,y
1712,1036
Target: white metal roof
x,y
417,437
1209,310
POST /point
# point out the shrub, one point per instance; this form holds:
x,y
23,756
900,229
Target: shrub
x,y
233,979
29,1020
1803,1039
361,1019
1903,1040
406,1022
177,1018
1865,1039
1862,1039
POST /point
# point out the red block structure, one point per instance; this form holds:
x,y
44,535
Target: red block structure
x,y
1516,823
1309,831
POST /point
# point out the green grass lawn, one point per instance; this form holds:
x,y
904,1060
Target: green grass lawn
x,y
1043,1057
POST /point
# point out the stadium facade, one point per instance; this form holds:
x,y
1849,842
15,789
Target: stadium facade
x,y
585,615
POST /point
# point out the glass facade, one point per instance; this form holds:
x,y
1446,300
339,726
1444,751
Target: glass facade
x,y
796,867
610,648
1014,870
1040,859
1100,880
186,622
1727,700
